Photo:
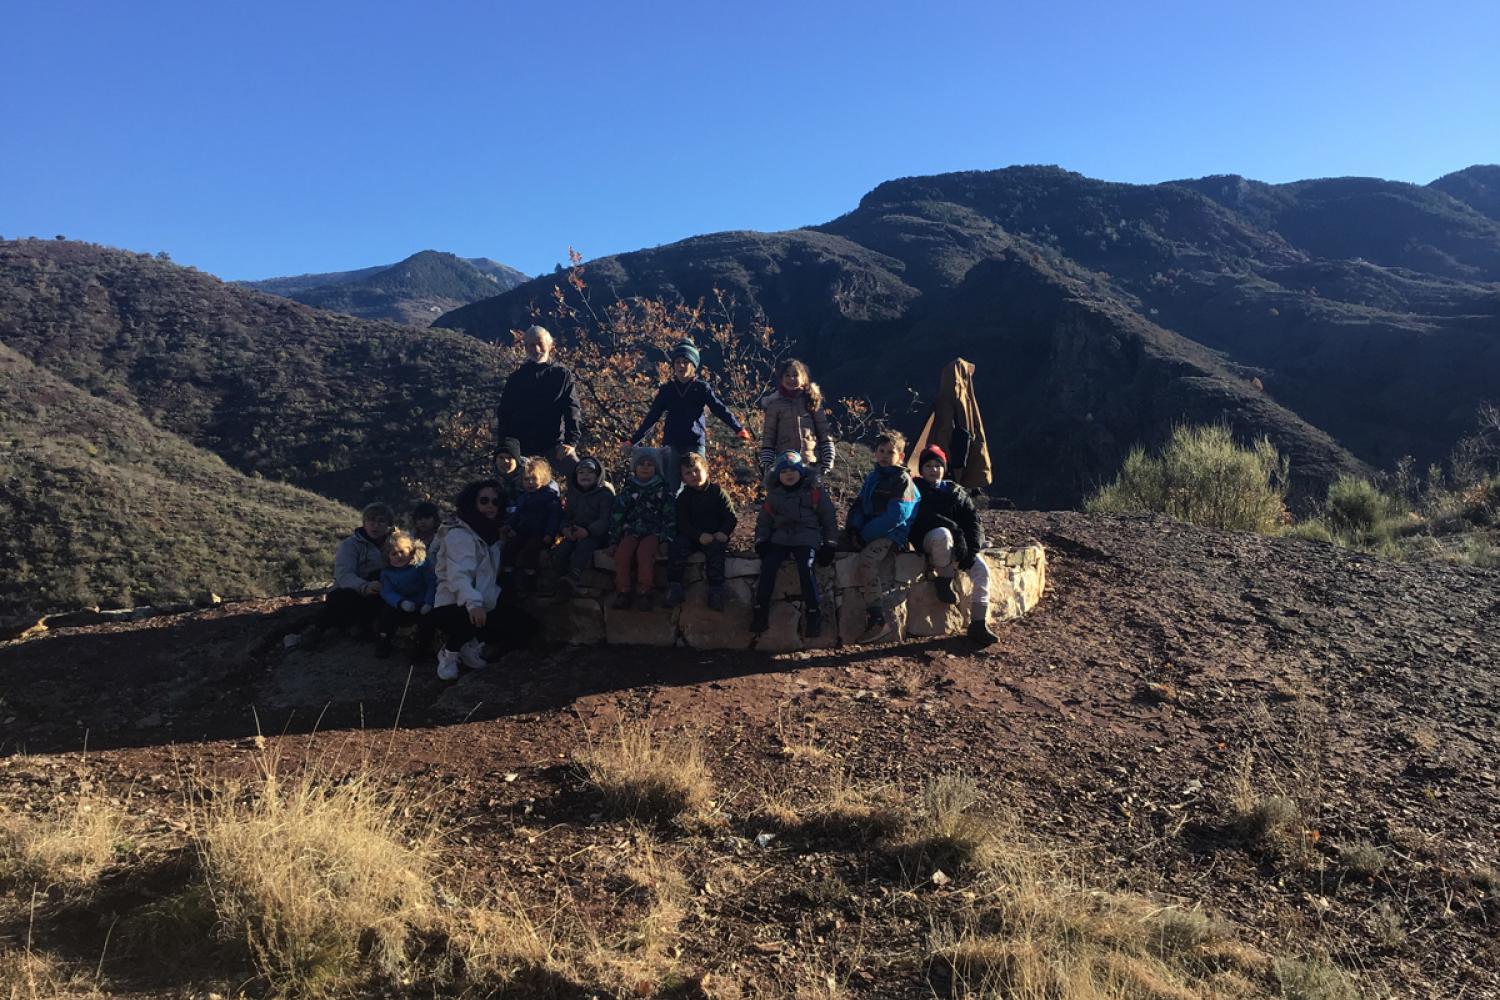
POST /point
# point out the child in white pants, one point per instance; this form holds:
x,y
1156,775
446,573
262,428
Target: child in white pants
x,y
947,525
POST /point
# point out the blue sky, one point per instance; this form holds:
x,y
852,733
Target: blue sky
x,y
272,138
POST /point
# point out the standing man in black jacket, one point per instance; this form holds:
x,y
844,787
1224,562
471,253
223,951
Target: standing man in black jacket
x,y
539,405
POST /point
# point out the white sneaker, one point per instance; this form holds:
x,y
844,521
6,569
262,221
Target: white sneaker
x,y
473,655
447,665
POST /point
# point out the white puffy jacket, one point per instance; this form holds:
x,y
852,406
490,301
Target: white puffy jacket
x,y
467,568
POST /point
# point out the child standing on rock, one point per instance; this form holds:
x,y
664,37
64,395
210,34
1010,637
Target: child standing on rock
x,y
947,528
796,521
644,517
587,508
879,523
682,400
795,420
705,520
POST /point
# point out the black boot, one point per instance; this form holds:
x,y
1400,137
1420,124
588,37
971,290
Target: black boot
x,y
760,619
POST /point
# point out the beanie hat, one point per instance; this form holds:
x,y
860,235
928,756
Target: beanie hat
x,y
685,349
790,460
641,451
591,463
933,451
511,447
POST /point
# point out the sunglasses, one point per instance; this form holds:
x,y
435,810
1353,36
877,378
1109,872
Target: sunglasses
x,y
487,501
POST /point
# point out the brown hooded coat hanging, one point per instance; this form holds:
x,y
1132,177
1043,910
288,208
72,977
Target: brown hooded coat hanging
x,y
956,427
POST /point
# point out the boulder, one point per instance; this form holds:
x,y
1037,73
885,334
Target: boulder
x,y
657,627
703,628
928,616
785,634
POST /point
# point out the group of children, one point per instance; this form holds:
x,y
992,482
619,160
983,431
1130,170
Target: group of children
x,y
451,577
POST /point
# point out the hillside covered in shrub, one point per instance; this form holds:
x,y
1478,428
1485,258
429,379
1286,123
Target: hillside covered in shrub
x,y
101,507
341,406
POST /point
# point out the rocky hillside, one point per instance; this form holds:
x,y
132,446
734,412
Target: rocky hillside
x,y
101,507
1353,321
417,290
331,403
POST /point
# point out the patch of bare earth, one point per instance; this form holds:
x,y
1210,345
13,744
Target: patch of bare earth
x,y
1228,766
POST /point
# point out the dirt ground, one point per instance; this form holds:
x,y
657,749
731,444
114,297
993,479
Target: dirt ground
x,y
1163,663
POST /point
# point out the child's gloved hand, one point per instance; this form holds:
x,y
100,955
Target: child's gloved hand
x,y
707,538
744,434
826,554
426,609
408,606
719,536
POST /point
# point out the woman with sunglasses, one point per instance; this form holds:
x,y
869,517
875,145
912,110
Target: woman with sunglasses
x,y
467,567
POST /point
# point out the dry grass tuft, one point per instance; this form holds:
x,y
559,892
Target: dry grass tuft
x,y
1362,859
950,832
1314,979
642,954
502,945
34,975
642,774
844,812
69,847
317,879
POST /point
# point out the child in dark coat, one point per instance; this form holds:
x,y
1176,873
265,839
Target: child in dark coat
x,y
532,524
683,400
510,472
948,530
644,518
796,521
586,511
705,520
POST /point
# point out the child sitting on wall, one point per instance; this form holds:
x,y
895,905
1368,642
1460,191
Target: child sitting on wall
x,y
586,511
947,528
705,520
879,523
532,524
408,587
510,471
644,517
796,521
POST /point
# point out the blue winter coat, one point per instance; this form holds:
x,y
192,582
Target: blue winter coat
x,y
408,583
886,505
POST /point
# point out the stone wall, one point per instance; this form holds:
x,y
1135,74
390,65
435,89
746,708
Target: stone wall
x,y
1017,577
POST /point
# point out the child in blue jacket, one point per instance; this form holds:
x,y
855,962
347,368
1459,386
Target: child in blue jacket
x,y
408,587
879,522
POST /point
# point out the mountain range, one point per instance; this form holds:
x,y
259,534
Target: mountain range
x,y
416,290
1352,320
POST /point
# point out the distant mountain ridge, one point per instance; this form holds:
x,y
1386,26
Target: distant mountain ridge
x,y
1352,320
415,290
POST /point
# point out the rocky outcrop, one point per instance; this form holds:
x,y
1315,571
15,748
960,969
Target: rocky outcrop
x,y
1017,579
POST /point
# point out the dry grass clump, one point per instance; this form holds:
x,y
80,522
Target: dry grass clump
x,y
501,944
34,975
640,953
1362,859
643,774
950,832
1052,942
317,879
68,847
1313,979
843,812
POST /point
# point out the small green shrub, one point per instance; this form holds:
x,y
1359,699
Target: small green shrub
x,y
1312,531
1204,477
1356,506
